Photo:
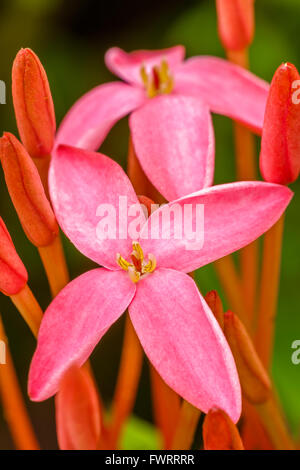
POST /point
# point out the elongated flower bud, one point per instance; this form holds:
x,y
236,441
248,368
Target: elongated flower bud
x,y
235,23
280,144
78,415
33,104
13,275
215,304
219,432
27,192
254,380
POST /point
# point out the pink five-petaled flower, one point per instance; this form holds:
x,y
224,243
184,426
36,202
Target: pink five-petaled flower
x,y
170,124
177,330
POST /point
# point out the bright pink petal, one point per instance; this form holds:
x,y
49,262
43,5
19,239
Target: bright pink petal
x,y
74,323
227,89
230,216
89,190
128,65
174,140
184,342
90,119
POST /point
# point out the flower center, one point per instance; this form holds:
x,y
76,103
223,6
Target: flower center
x,y
159,81
139,266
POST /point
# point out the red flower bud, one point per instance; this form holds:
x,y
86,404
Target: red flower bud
x,y
235,23
280,144
78,414
27,192
220,433
13,275
33,104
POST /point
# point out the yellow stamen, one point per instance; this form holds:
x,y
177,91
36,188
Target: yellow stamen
x,y
137,251
122,262
151,265
134,274
159,81
164,72
139,267
144,75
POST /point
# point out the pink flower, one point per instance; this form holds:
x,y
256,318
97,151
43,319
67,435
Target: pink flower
x,y
176,328
170,102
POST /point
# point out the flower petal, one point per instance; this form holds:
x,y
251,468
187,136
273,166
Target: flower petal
x,y
184,342
227,89
128,65
74,323
90,119
87,191
230,216
174,141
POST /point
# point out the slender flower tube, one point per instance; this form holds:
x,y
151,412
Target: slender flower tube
x,y
280,145
169,100
13,274
33,104
27,192
255,383
235,23
220,433
78,412
147,274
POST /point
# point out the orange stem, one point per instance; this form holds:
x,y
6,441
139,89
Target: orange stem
x,y
54,262
269,291
29,308
232,286
127,382
275,425
166,404
186,426
13,403
246,168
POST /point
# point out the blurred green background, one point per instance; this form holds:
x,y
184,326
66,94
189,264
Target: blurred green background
x,y
71,37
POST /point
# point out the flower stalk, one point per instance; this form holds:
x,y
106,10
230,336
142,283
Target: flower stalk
x,y
29,308
13,403
127,382
186,426
269,292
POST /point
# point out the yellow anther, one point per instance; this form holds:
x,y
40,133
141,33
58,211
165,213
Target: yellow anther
x,y
151,265
164,72
169,85
122,262
137,251
140,267
134,274
159,81
144,75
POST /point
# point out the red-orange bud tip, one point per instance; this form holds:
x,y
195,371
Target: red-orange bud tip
x,y
219,432
235,23
33,104
255,383
214,302
280,144
78,414
13,274
27,192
